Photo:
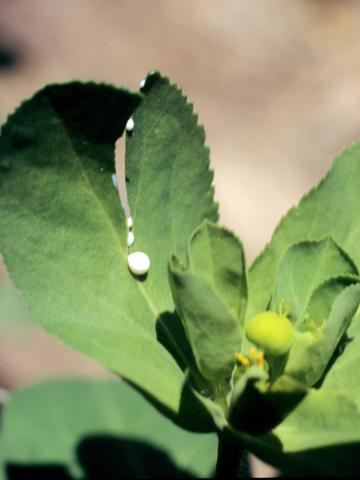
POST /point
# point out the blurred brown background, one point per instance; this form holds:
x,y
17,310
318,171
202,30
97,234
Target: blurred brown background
x,y
276,84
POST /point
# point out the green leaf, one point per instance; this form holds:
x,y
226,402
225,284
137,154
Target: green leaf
x,y
63,233
302,269
322,301
100,429
319,437
313,349
214,334
330,209
211,310
344,374
216,255
168,180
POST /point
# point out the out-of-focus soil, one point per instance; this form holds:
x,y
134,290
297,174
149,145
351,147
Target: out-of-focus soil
x,y
276,84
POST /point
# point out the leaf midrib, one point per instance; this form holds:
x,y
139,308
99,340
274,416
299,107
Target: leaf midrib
x,y
141,287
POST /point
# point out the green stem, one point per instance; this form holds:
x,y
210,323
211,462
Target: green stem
x,y
222,402
230,452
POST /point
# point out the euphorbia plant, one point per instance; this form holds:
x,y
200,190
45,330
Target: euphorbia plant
x,y
267,357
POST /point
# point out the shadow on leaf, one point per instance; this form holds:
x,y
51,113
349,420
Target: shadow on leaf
x,y
106,457
257,413
171,334
192,414
37,472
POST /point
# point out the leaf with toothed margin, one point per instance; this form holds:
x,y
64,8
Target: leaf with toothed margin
x,y
321,435
63,232
330,209
169,184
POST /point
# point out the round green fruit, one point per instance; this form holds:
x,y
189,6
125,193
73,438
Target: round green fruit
x,y
271,332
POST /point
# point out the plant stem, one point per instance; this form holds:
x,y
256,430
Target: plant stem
x,y
222,402
230,452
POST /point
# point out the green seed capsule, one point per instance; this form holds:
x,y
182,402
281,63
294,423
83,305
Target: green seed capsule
x,y
271,332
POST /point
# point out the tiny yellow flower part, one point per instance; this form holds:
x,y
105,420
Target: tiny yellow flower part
x,y
245,362
253,353
271,332
240,358
260,358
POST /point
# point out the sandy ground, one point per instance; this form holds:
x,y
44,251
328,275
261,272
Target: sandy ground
x,y
276,84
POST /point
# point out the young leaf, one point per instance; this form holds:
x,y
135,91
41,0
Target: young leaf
x,y
217,256
344,374
312,349
101,429
63,232
302,269
322,300
330,209
210,297
214,334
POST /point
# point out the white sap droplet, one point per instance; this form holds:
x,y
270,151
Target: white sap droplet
x,y
130,222
130,125
131,239
114,181
138,263
142,83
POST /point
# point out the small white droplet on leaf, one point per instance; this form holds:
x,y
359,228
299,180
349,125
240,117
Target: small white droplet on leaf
x,y
130,222
142,83
114,181
131,239
130,125
138,263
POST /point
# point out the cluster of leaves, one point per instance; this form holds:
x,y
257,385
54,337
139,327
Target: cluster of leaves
x,y
173,335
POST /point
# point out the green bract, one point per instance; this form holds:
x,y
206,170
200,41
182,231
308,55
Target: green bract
x,y
187,334
272,332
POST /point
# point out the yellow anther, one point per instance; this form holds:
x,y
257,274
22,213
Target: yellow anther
x,y
238,357
245,362
253,353
260,358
